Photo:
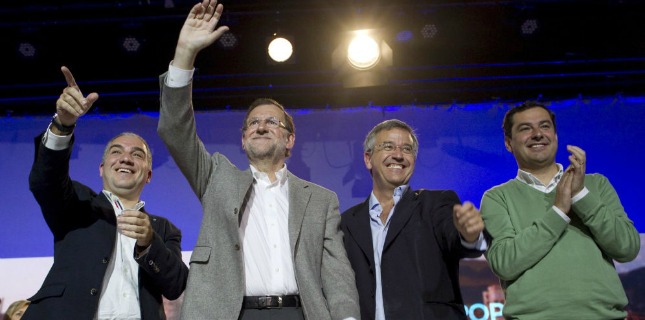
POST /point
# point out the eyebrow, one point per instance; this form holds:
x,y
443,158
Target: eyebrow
x,y
116,145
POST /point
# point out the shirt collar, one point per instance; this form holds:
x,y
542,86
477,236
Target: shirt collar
x,y
118,206
398,193
281,175
533,181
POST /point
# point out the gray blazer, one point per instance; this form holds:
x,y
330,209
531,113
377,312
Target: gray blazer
x,y
216,279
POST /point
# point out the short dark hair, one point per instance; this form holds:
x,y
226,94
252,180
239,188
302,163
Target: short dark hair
x,y
507,125
370,139
288,119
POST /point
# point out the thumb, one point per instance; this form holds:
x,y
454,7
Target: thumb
x,y
91,98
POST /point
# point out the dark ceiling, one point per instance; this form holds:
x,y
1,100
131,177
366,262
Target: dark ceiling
x,y
477,53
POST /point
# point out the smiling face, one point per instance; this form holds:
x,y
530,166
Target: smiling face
x,y
263,142
393,168
126,166
533,139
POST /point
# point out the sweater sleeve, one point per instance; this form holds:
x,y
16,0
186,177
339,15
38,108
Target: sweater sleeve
x,y
601,211
514,249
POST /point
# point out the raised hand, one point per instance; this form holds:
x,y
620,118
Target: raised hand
x,y
468,221
72,104
199,31
578,159
563,191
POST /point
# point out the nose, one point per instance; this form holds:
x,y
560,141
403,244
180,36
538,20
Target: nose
x,y
537,134
397,153
126,158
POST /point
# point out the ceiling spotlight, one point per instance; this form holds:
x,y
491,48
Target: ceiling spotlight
x,y
429,31
131,44
362,59
27,49
227,40
280,49
529,26
363,52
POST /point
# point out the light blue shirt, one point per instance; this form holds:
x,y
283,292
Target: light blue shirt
x,y
379,233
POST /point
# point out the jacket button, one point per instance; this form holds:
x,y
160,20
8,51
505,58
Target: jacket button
x,y
93,291
235,211
237,247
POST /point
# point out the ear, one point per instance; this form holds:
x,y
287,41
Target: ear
x,y
101,170
149,176
367,157
507,143
291,141
243,142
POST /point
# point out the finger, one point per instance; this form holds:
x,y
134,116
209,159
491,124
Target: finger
x,y
69,104
68,77
90,99
578,153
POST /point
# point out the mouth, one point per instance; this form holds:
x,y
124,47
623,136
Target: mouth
x,y
537,146
124,170
394,166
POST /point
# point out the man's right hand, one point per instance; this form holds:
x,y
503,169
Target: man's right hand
x,y
72,104
563,191
198,33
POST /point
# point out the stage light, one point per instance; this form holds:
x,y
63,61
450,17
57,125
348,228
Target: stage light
x,y
529,26
27,49
362,58
228,40
280,49
429,31
363,52
131,44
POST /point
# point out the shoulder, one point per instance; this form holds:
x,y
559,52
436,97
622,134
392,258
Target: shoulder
x,y
501,188
314,188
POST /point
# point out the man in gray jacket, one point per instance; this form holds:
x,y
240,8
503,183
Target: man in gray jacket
x,y
270,246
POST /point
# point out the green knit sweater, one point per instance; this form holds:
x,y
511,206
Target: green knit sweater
x,y
551,269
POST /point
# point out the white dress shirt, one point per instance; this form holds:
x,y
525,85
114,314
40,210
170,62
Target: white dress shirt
x,y
264,230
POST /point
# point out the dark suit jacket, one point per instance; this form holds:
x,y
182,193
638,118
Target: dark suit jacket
x,y
420,261
84,228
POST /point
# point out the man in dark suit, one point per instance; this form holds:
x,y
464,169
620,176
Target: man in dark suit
x,y
112,260
405,245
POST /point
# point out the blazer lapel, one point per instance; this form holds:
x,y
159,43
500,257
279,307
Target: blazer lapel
x,y
402,213
244,187
359,228
299,195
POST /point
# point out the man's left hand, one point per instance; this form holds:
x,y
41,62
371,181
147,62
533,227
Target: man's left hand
x,y
468,221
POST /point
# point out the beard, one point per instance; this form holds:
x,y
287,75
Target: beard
x,y
260,152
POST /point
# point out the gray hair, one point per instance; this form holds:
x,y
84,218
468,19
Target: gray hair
x,y
370,139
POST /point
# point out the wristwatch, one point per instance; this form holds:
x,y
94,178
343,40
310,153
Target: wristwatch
x,y
62,128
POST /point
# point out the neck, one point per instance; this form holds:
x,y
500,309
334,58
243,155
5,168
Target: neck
x,y
384,195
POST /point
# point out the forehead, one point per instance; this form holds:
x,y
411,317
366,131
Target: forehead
x,y
265,111
533,115
395,135
128,141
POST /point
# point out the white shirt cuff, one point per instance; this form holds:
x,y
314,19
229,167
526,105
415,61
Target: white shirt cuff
x,y
580,195
177,78
562,214
480,244
55,142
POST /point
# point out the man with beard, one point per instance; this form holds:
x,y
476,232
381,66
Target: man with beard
x,y
270,246
555,232
112,260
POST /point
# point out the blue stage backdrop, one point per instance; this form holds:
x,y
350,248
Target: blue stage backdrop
x,y
461,148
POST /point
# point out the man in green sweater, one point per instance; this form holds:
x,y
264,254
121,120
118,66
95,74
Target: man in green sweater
x,y
555,231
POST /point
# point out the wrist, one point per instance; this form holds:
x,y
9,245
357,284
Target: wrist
x,y
60,129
